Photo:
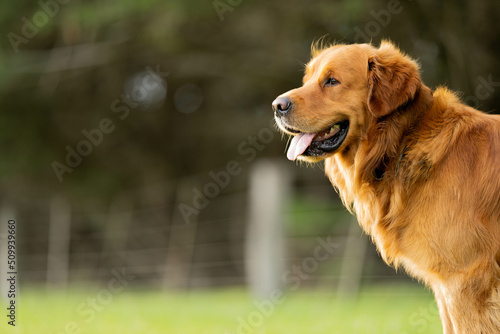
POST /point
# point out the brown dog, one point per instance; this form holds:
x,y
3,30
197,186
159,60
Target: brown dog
x,y
420,170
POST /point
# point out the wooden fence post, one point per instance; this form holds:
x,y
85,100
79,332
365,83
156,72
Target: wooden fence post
x,y
265,249
118,224
59,239
182,239
352,262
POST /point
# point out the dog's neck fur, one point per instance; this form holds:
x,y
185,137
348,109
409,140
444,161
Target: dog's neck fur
x,y
382,158
375,160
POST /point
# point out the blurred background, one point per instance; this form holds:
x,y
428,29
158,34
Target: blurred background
x,y
137,137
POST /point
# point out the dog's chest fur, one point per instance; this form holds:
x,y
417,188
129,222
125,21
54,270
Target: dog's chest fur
x,y
396,207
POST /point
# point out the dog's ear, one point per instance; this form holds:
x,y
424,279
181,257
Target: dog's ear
x,y
393,79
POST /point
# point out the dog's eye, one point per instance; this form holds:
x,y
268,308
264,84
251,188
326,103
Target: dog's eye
x,y
331,82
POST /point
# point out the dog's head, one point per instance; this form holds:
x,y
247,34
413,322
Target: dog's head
x,y
344,88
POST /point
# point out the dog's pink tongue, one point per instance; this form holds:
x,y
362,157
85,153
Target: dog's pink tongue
x,y
299,144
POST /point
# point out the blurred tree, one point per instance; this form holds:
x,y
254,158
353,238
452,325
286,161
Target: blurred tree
x,y
71,60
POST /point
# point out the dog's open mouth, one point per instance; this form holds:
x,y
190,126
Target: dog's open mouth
x,y
317,144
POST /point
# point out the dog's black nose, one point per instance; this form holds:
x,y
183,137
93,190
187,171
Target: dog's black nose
x,y
282,105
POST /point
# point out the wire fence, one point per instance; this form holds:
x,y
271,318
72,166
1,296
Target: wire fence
x,y
62,242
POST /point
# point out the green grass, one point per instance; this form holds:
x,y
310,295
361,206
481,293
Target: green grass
x,y
396,309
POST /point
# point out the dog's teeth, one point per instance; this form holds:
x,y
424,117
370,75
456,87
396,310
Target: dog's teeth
x,y
334,128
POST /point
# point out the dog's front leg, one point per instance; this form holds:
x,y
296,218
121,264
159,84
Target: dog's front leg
x,y
443,310
470,302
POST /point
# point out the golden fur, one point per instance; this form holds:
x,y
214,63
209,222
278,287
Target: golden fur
x,y
420,170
